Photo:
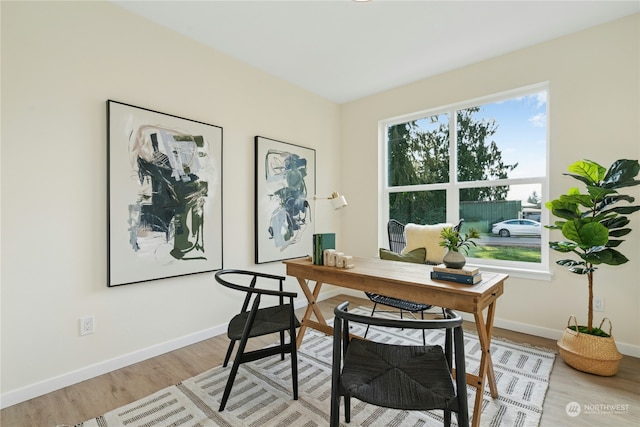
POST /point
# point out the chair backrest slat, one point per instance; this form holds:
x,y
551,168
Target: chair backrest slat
x,y
452,320
253,288
395,230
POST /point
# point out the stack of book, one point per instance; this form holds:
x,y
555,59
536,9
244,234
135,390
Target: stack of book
x,y
320,243
467,275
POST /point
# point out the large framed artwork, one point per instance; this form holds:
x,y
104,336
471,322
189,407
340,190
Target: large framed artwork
x,y
164,195
285,176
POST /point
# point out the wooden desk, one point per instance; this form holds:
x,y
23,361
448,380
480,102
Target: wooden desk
x,y
411,282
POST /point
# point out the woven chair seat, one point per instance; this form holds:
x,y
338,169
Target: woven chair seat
x,y
418,376
393,375
413,307
268,320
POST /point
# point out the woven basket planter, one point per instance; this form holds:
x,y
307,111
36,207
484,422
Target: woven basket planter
x,y
589,353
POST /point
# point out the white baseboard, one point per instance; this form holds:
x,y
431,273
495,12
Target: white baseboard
x,y
38,389
52,384
554,334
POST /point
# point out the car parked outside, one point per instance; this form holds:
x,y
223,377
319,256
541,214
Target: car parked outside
x,y
517,227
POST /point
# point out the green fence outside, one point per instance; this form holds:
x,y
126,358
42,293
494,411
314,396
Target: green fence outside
x,y
482,215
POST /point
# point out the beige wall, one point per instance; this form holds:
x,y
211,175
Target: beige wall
x,y
60,63
594,108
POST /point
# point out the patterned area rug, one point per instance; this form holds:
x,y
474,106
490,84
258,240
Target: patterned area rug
x,y
261,395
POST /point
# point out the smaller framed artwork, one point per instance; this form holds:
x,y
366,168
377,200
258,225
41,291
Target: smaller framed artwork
x,y
164,195
285,183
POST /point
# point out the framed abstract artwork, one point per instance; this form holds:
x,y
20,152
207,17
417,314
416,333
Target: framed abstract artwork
x,y
164,195
285,182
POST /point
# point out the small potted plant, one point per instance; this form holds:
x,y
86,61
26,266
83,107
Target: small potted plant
x,y
592,224
455,242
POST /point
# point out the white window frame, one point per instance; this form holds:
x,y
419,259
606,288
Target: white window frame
x,y
518,269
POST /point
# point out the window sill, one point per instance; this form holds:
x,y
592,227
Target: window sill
x,y
519,272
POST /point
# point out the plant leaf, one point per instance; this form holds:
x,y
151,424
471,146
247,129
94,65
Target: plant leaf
x,y
563,208
599,193
613,243
624,210
577,267
605,256
583,200
621,174
616,222
619,233
590,171
569,262
586,234
563,246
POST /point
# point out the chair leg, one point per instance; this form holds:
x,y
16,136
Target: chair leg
x,y
232,374
462,420
424,338
294,360
334,418
239,354
336,362
282,344
229,351
347,408
375,304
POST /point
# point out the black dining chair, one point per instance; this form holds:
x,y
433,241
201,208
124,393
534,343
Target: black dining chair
x,y
399,376
256,320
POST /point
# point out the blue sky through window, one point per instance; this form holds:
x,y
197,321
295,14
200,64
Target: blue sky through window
x,y
521,137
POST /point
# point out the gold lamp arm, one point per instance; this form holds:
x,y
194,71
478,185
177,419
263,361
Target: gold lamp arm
x,y
337,201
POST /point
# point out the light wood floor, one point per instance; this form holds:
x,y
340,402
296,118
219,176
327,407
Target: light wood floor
x,y
94,397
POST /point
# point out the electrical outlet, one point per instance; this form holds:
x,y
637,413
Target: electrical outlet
x,y
598,304
87,325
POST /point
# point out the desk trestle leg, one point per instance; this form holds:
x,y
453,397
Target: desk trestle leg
x,y
312,307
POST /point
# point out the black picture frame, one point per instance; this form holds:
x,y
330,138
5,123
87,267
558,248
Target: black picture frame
x,y
285,183
164,195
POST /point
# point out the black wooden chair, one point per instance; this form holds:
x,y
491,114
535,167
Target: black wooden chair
x,y
397,242
255,320
399,376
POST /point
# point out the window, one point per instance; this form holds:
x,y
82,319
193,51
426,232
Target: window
x,y
484,161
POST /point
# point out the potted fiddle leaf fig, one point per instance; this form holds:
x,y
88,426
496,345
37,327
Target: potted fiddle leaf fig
x,y
592,224
455,242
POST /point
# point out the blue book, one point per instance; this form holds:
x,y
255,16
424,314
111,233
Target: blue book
x,y
458,278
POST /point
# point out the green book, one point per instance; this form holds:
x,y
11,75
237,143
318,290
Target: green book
x,y
321,242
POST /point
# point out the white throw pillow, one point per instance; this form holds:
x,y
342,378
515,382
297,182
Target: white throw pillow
x,y
426,236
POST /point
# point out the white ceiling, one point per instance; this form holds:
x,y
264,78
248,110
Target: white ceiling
x,y
344,50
